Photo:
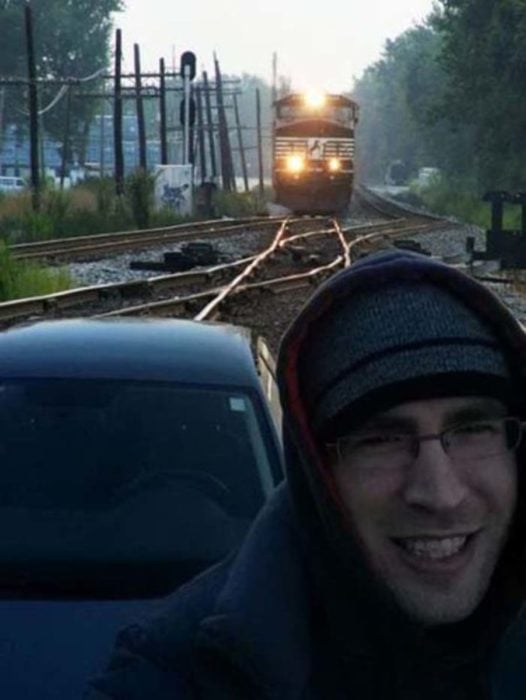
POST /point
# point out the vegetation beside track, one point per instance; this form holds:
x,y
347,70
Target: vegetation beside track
x,y
459,197
449,93
93,207
19,279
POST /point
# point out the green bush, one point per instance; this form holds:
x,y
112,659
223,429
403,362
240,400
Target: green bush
x,y
93,207
460,198
20,279
239,204
139,193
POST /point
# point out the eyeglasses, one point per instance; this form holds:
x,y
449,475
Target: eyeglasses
x,y
466,442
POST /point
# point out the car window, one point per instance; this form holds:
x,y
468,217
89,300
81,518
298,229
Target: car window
x,y
121,472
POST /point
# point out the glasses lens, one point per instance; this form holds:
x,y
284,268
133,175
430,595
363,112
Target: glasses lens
x,y
371,447
513,429
481,439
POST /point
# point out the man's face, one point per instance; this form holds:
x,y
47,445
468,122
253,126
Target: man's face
x,y
432,528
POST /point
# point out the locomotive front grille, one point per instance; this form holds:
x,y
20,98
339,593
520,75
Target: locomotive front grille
x,y
315,148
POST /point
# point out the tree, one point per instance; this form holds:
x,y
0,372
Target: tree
x,y
484,55
450,94
72,39
399,97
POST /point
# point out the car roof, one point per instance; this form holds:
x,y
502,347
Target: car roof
x,y
142,349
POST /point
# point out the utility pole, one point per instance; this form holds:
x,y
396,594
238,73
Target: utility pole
x,y
141,130
274,99
241,146
208,105
117,117
201,134
102,133
33,109
227,168
2,103
260,144
162,112
274,77
65,140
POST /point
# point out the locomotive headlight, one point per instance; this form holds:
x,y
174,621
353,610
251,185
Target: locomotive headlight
x,y
295,164
315,100
335,165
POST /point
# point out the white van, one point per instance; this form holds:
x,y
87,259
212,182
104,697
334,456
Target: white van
x,y
11,184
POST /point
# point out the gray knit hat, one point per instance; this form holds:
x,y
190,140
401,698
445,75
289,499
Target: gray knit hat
x,y
402,342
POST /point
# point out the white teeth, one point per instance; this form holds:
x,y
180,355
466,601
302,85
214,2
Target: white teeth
x,y
434,548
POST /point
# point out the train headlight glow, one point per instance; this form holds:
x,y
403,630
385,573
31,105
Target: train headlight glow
x,y
315,100
295,164
335,165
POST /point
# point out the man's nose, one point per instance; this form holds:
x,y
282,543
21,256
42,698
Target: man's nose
x,y
433,482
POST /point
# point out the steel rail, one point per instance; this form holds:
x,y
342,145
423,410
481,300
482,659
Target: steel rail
x,y
276,285
15,310
387,207
106,243
208,310
187,226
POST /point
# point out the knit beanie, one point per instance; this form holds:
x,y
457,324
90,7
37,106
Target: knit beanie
x,y
402,342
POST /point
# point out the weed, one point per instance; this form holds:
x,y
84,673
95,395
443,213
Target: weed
x,y
19,279
460,198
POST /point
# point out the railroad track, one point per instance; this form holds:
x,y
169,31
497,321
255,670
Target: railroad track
x,y
103,244
302,253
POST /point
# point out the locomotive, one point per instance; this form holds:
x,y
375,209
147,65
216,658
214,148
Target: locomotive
x,y
313,152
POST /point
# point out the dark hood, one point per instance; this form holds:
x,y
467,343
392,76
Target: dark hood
x,y
337,565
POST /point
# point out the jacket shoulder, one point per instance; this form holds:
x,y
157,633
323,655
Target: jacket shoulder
x,y
153,659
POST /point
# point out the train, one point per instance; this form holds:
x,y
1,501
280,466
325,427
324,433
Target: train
x,y
313,152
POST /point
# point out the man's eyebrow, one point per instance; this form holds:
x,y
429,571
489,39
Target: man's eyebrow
x,y
475,411
388,423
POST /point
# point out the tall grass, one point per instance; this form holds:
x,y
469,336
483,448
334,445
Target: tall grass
x,y
140,192
240,203
20,279
460,198
93,207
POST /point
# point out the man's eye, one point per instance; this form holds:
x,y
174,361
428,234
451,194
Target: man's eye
x,y
481,428
379,439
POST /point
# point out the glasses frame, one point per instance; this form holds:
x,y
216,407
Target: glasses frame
x,y
441,436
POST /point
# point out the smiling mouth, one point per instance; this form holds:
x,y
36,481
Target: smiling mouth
x,y
434,548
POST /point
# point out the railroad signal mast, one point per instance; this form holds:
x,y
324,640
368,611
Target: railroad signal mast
x,y
188,109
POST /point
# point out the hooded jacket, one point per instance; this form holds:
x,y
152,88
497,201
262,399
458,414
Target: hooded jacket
x,y
295,614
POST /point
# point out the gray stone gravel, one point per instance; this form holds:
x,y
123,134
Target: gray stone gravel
x,y
117,268
449,243
274,313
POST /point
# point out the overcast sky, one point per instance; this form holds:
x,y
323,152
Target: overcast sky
x,y
321,44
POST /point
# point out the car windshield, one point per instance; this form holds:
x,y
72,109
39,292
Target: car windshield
x,y
101,474
82,444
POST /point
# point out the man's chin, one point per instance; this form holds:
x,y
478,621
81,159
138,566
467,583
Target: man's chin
x,y
437,590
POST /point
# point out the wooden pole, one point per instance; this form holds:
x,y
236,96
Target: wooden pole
x,y
201,133
211,143
33,109
117,118
242,157
162,110
2,105
141,129
102,134
260,143
227,168
65,141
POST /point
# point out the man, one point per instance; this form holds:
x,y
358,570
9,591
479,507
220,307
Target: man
x,y
390,565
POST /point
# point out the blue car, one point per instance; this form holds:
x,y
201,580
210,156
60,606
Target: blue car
x,y
133,454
